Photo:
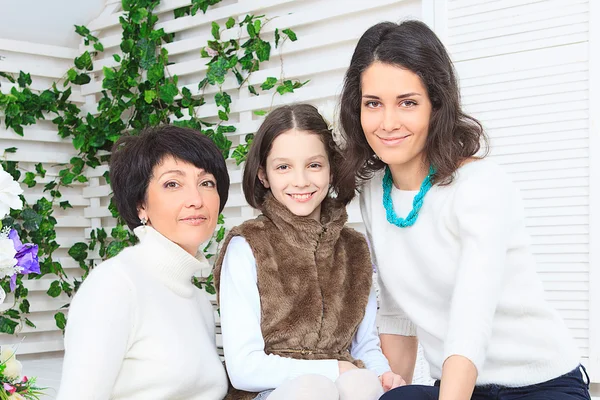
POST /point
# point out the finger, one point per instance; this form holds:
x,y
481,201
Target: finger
x,y
398,381
387,381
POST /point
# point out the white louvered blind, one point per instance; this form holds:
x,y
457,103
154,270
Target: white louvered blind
x,y
524,73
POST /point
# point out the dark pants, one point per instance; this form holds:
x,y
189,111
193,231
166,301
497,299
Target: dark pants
x,y
570,386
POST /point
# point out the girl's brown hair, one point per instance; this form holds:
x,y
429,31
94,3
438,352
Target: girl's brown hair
x,y
302,117
453,135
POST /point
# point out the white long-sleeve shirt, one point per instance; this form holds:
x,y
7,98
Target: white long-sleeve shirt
x,y
463,279
248,366
139,329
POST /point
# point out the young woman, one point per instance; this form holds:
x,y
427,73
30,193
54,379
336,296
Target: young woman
x,y
294,284
447,232
138,328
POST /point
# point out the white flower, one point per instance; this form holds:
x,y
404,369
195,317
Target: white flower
x,y
8,262
9,194
16,396
330,113
13,366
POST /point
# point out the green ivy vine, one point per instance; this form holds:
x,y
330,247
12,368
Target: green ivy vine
x,y
137,93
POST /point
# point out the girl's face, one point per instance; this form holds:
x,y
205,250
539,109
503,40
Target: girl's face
x,y
182,203
297,172
394,114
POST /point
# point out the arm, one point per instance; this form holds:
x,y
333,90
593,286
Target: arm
x,y
365,343
248,366
401,352
484,208
97,335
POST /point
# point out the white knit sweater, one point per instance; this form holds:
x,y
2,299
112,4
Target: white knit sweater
x,y
464,281
139,329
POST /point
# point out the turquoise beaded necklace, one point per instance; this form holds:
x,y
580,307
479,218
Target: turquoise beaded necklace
x,y
412,216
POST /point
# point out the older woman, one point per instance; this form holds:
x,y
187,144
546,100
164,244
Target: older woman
x,y
138,328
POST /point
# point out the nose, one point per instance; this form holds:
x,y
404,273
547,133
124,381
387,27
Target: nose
x,y
301,178
194,197
391,120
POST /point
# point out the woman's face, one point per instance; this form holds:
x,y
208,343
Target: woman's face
x,y
182,203
394,114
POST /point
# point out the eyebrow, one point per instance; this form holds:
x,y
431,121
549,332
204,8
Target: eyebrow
x,y
281,159
400,96
181,173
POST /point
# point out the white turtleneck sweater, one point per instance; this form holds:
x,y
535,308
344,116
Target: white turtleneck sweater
x,y
139,329
463,279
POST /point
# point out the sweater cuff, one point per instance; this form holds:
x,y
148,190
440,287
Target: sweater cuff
x,y
476,354
395,325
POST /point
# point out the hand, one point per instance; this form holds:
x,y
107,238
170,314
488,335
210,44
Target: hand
x,y
346,366
390,380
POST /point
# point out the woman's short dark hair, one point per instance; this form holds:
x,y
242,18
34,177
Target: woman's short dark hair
x,y
453,135
303,117
135,156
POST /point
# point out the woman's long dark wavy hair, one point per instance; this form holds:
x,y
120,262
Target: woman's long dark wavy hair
x,y
453,135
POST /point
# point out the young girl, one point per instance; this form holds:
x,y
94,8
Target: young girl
x,y
294,284
447,232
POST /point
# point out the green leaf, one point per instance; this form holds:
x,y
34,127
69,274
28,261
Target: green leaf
x,y
10,150
82,79
7,76
81,30
29,323
260,113
98,46
84,62
291,34
222,99
78,141
29,179
230,23
24,79
149,96
54,290
41,171
215,31
7,325
263,51
252,90
127,45
138,14
277,37
257,26
117,57
168,92
251,31
65,204
216,71
114,248
269,83
79,251
31,219
12,313
181,12
220,234
223,116
61,320
156,73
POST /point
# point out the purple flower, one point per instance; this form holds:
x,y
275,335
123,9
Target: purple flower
x,y
27,257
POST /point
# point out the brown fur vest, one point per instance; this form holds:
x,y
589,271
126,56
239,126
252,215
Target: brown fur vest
x,y
313,278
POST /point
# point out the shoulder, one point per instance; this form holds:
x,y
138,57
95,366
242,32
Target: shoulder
x,y
111,275
352,236
482,171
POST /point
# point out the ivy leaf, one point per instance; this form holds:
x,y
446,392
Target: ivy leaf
x,y
98,46
230,23
65,204
10,150
291,34
24,79
252,90
61,320
117,57
39,168
257,26
181,12
251,31
263,50
31,219
220,234
7,76
29,323
269,83
216,71
7,325
82,79
240,153
78,141
277,37
167,93
127,45
114,248
215,31
84,62
223,116
156,73
29,179
223,99
81,30
138,14
79,251
149,96
260,113
54,290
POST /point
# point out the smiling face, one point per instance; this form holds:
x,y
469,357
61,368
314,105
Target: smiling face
x,y
297,172
182,203
395,113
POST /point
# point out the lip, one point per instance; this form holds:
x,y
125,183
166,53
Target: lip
x,y
393,141
309,196
194,220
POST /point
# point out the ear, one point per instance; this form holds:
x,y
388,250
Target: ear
x,y
262,177
142,213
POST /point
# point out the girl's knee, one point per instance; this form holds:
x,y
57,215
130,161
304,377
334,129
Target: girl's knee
x,y
306,387
359,384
